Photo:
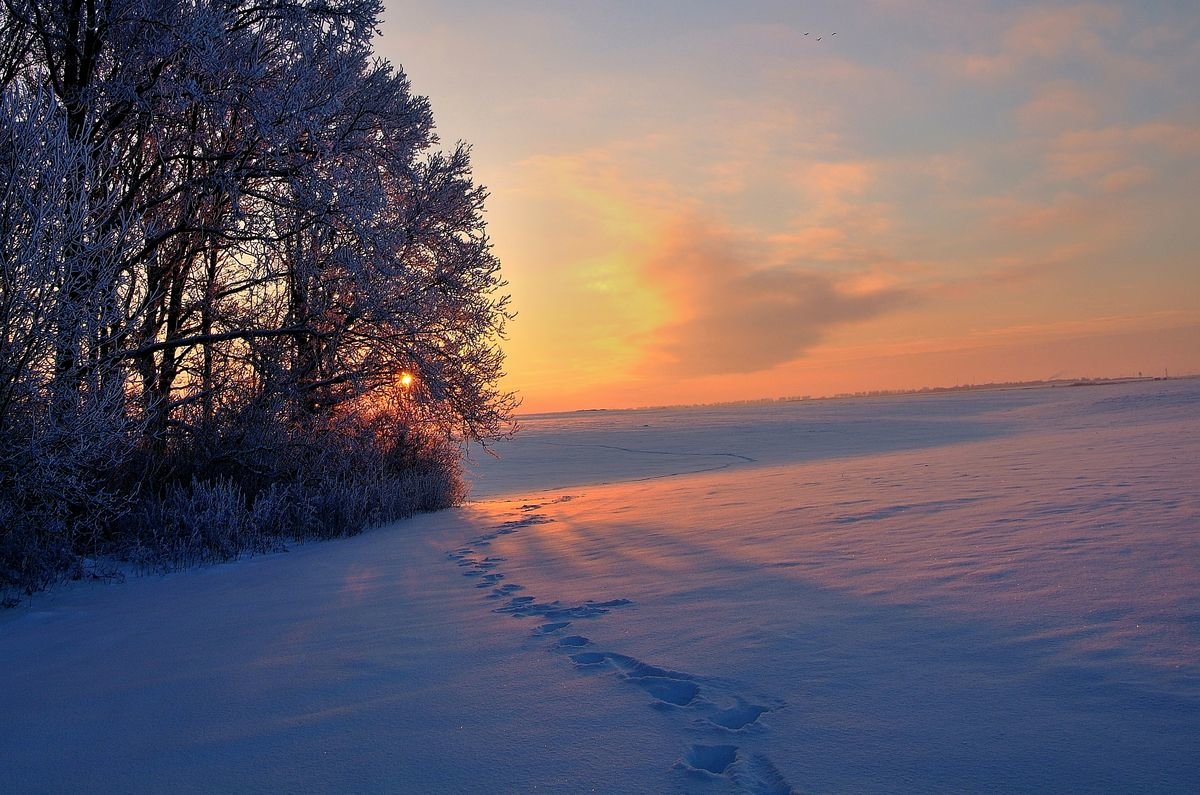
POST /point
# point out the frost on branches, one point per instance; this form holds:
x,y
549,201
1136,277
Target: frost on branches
x,y
233,262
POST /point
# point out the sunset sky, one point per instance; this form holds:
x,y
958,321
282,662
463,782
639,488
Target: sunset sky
x,y
695,201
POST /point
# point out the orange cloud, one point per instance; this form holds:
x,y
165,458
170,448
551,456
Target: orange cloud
x,y
978,340
735,315
832,183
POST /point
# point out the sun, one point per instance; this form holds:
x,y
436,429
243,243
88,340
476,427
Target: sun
x,y
406,380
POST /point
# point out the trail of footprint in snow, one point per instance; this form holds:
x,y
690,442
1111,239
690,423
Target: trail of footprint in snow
x,y
483,569
669,689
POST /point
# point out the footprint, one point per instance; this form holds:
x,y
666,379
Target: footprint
x,y
667,687
610,603
513,525
553,626
587,659
505,590
634,668
739,717
713,759
677,692
757,775
573,641
753,774
534,506
524,606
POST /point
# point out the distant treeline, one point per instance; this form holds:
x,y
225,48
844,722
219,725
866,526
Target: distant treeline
x,y
925,390
990,385
243,294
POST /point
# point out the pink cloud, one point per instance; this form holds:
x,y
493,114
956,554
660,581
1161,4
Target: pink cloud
x,y
1036,35
1103,154
1057,105
1048,33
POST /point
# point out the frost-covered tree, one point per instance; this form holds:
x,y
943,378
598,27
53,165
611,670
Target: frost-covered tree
x,y
226,225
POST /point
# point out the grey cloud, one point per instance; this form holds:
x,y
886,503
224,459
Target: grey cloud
x,y
739,318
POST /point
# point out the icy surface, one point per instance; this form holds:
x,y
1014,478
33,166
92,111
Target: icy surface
x,y
968,592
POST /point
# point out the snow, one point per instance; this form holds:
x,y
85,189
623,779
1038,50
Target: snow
x,y
937,593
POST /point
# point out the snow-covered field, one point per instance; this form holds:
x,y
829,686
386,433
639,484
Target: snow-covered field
x,y
989,591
